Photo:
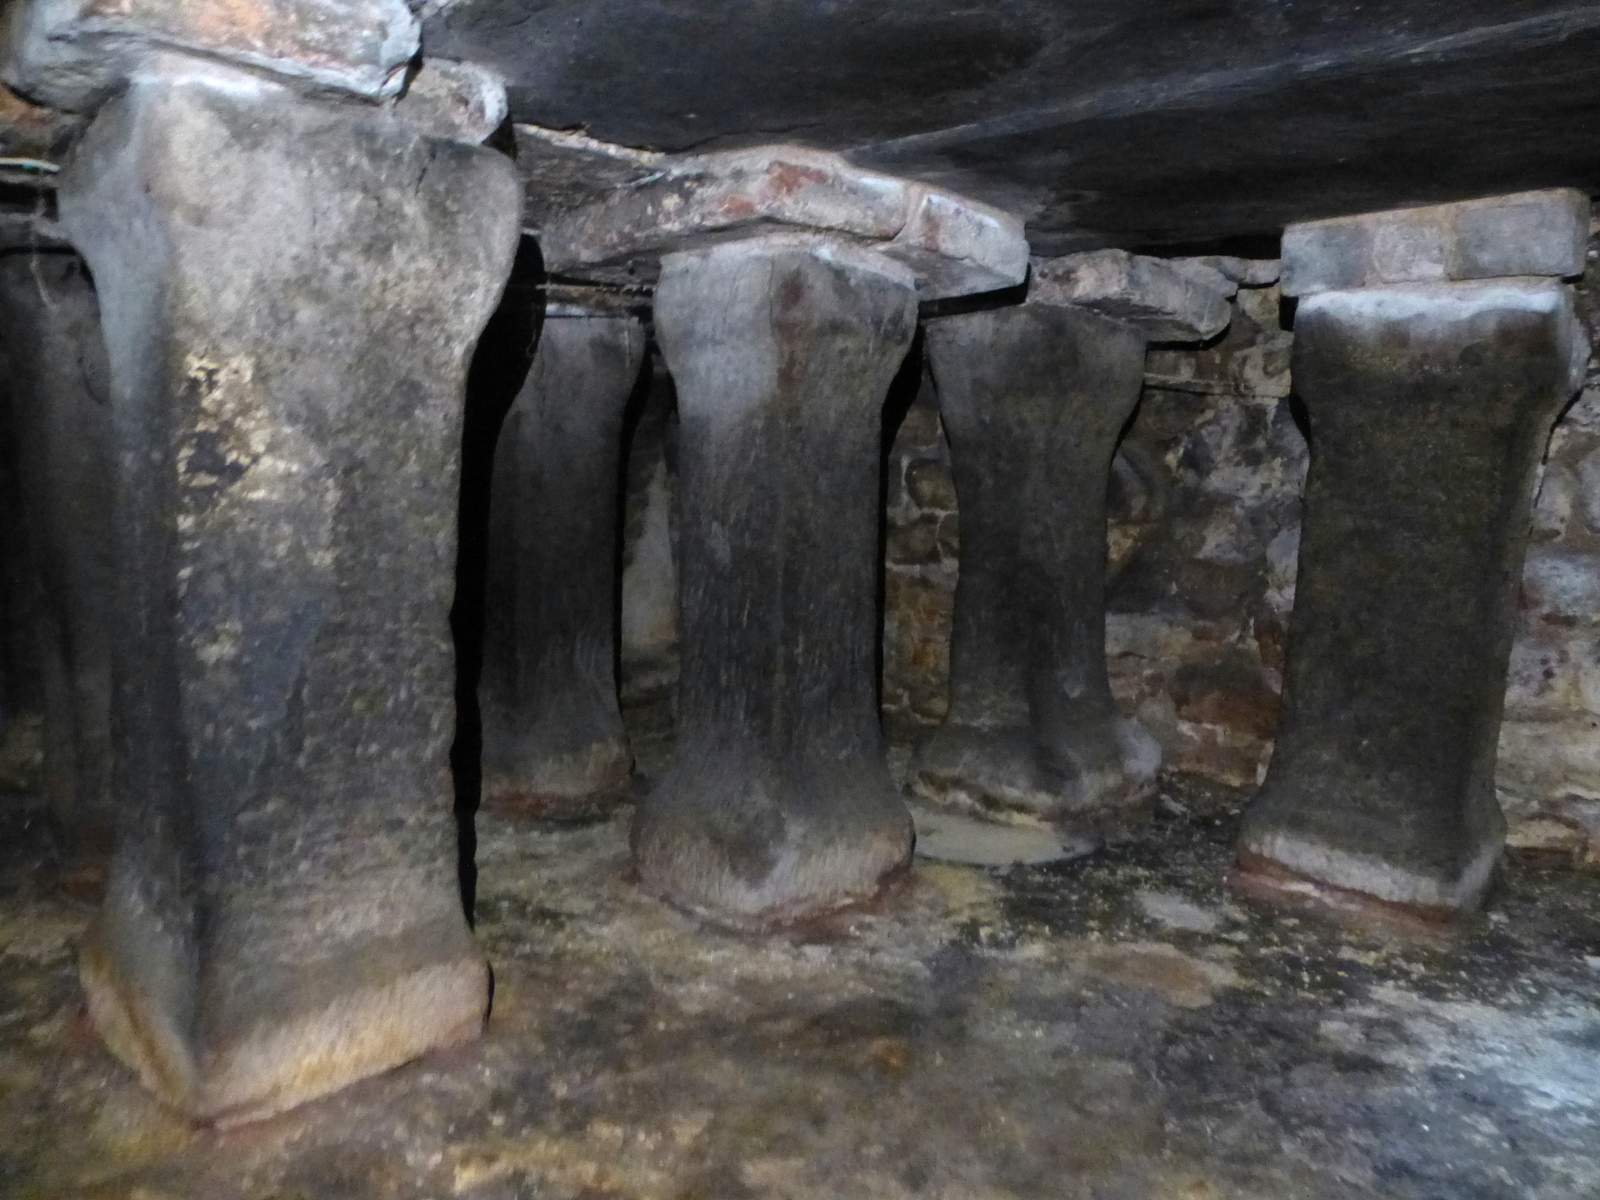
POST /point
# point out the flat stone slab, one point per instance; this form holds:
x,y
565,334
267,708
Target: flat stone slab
x,y
1542,233
1168,300
955,838
73,54
955,246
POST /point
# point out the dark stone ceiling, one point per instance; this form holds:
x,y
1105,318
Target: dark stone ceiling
x,y
1158,124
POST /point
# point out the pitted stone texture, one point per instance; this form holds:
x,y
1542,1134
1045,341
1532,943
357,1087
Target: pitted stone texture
x,y
553,742
1168,301
1381,788
1033,398
779,804
1541,233
74,54
953,245
56,385
289,294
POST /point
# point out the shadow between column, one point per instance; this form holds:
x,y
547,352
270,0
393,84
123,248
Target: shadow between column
x,y
499,365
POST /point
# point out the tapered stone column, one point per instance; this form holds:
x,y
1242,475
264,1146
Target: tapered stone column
x,y
1034,398
787,298
1431,387
779,800
290,290
553,742
58,389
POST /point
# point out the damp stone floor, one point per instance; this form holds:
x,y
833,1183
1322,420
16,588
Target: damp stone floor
x,y
1114,1028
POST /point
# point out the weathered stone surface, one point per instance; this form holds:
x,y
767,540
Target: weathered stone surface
x,y
779,804
1381,789
553,742
73,54
1246,272
289,293
1033,398
33,134
453,100
955,246
57,388
1116,1030
1167,300
1530,233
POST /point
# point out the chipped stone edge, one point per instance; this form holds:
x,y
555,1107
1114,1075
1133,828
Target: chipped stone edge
x,y
1435,243
953,245
1168,300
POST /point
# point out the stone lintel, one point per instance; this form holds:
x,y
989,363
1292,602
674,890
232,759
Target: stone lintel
x,y
953,245
74,54
1543,233
1167,300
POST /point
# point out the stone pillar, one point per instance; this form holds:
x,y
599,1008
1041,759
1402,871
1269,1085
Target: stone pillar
x,y
1432,358
1034,398
779,801
553,742
57,387
290,289
789,282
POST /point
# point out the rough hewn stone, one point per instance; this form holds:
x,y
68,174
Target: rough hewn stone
x,y
58,391
1168,301
779,804
1033,398
553,742
289,292
648,628
955,246
1381,789
1530,233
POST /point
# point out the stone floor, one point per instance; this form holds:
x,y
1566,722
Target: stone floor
x,y
1114,1028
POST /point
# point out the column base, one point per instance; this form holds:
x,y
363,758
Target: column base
x,y
1096,784
736,856
579,785
276,1064
1304,872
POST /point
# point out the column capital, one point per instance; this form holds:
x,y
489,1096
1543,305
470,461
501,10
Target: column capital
x,y
1543,233
1166,299
952,245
